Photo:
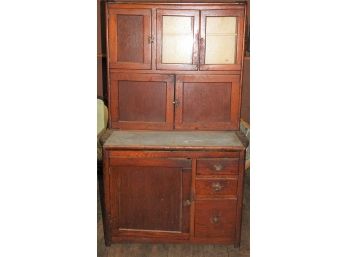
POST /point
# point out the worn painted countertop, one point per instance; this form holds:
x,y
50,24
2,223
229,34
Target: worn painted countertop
x,y
174,140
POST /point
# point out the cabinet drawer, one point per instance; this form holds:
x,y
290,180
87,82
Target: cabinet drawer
x,y
219,166
215,218
216,187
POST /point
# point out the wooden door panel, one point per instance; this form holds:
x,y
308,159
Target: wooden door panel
x,y
150,198
145,192
222,39
141,101
129,31
209,102
177,39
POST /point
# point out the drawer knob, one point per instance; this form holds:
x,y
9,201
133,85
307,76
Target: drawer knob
x,y
217,186
218,167
215,219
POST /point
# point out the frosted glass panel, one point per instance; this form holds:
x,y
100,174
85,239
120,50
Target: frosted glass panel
x,y
220,40
177,39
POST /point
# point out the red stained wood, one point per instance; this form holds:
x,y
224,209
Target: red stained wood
x,y
207,102
217,166
148,196
215,188
141,101
215,219
160,190
130,38
128,32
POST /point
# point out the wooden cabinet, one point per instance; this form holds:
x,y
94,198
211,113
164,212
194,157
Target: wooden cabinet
x,y
148,101
197,37
194,44
174,165
173,186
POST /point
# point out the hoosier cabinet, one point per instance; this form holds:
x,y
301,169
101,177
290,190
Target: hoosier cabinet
x,y
174,163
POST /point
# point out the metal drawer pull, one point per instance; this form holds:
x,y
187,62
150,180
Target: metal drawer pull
x,y
217,186
218,167
215,220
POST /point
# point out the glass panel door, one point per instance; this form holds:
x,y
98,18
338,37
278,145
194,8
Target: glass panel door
x,y
221,44
177,39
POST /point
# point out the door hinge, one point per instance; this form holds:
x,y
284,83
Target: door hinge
x,y
150,39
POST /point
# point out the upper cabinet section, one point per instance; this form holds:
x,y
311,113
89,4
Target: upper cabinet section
x,y
177,39
130,38
168,37
222,35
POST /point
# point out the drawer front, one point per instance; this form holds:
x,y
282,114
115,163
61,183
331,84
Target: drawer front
x,y
215,219
218,166
216,187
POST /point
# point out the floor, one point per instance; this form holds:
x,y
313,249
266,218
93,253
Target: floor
x,y
181,250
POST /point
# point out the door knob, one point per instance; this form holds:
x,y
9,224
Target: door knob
x,y
187,202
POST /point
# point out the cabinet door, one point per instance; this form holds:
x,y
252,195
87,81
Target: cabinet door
x,y
177,39
150,196
222,37
207,102
141,101
129,38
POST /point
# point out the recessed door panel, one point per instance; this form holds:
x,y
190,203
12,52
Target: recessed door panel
x,y
142,101
206,102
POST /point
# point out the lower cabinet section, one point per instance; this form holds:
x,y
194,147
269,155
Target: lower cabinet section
x,y
160,196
